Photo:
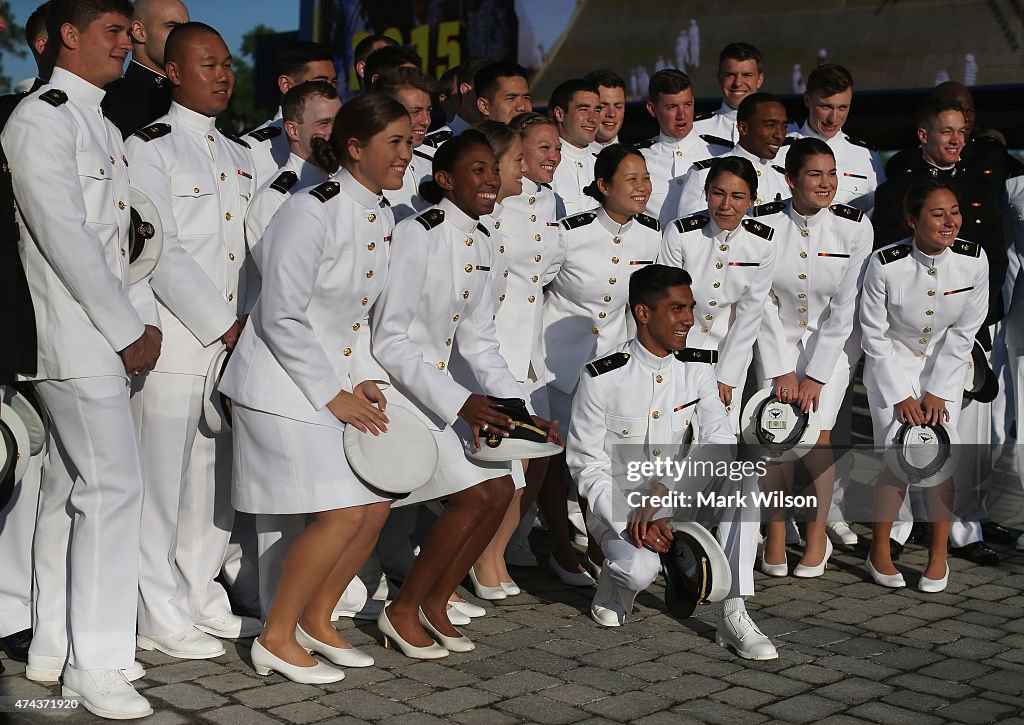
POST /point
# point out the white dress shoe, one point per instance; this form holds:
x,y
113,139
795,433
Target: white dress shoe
x,y
457,616
462,643
189,644
511,588
776,570
431,652
809,572
739,633
106,693
933,585
841,533
607,608
370,611
264,662
41,668
892,581
470,610
341,656
493,594
572,578
230,626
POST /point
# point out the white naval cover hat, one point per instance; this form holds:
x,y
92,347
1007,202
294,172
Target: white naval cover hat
x,y
525,441
781,430
696,569
216,405
27,406
396,462
14,451
923,455
146,237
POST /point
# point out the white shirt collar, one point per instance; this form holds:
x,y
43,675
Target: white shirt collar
x,y
805,222
77,87
647,358
727,111
462,221
307,172
809,132
752,158
681,144
576,154
926,259
610,224
353,188
190,119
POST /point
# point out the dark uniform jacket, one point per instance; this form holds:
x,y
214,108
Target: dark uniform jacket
x,y
137,99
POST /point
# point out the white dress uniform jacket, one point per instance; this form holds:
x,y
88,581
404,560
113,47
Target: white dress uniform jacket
x,y
572,175
720,123
860,169
919,316
635,406
201,182
771,181
810,311
668,161
732,273
407,202
85,309
586,306
270,148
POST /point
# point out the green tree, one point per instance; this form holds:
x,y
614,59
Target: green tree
x,y
11,43
243,114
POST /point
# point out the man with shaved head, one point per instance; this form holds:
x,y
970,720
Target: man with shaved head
x,y
202,181
143,94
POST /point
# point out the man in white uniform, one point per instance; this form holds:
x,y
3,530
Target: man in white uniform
x,y
611,89
502,91
94,330
739,75
201,181
574,106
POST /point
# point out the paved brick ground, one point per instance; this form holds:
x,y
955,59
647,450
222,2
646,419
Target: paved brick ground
x,y
849,652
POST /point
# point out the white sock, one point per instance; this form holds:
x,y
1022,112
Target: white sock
x,y
733,605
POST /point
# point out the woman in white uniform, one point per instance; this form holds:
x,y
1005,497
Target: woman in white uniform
x,y
302,371
439,289
586,305
807,327
923,301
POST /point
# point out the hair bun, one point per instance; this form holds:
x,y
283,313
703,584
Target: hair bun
x,y
431,191
593,192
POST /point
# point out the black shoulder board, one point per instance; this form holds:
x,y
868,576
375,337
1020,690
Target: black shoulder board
x,y
55,97
648,221
579,220
772,207
236,139
605,364
860,142
704,116
846,212
762,230
437,138
689,223
696,355
969,249
155,131
285,182
780,169
422,155
893,253
431,218
717,140
645,144
266,133
703,164
326,191
483,229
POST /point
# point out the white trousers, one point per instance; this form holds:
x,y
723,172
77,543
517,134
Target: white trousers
x,y
17,526
186,527
241,563
87,557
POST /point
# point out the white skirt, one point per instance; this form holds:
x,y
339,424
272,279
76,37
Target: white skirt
x,y
286,466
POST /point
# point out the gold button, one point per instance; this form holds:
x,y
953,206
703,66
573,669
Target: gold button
x,y
931,293
758,173
372,218
803,255
209,137
369,273
723,247
102,172
497,224
231,297
536,237
712,303
616,240
977,221
929,312
656,451
923,341
469,242
534,278
625,431
805,233
615,260
919,353
501,249
455,318
594,330
448,342
465,294
932,271
802,295
355,326
468,268
532,200
607,298
536,258
656,414
120,205
679,153
803,309
927,329
122,251
658,378
228,216
502,299
704,330
366,301
231,256
440,365
718,265
533,217
611,280
531,299
679,182
195,190
802,276
580,164
371,246
347,352
709,317
505,274
223,176
716,285
602,315
803,323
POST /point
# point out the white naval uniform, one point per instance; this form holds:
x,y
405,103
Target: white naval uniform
x,y
633,405
720,123
919,316
269,147
439,288
70,178
809,314
859,167
586,306
573,174
668,161
407,202
771,182
732,274
201,182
